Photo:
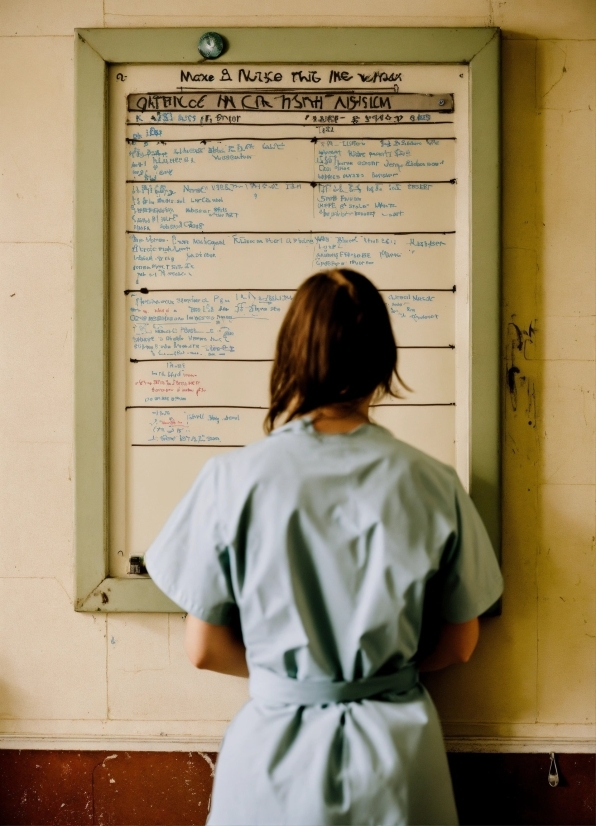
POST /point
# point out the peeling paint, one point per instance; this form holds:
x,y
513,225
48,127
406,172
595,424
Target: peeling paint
x,y
206,757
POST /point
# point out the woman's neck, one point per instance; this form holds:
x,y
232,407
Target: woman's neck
x,y
335,419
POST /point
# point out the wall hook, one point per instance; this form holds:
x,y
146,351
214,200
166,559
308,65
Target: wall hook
x,y
553,771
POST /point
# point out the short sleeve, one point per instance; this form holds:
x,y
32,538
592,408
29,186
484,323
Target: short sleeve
x,y
471,574
188,560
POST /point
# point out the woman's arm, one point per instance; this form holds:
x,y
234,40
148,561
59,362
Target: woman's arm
x,y
214,647
457,642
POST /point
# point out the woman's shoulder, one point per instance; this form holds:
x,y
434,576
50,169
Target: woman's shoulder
x,y
415,463
259,456
295,445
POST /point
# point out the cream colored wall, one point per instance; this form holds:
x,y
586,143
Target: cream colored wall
x,y
76,680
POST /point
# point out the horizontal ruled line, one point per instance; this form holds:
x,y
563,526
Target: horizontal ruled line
x,y
196,407
172,444
146,290
309,183
310,124
276,138
282,231
262,361
361,111
166,406
415,404
215,358
307,89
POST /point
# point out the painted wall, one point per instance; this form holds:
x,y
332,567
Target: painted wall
x,y
76,680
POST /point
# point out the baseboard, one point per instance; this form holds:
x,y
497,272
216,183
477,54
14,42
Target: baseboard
x,y
520,745
211,743
98,742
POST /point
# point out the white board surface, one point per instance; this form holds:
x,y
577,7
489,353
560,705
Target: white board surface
x,y
225,194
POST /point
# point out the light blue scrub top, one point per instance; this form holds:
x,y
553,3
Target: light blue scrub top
x,y
324,547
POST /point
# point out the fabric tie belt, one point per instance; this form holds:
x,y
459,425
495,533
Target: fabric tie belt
x,y
274,688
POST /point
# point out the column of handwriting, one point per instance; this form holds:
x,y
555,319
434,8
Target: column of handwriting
x,y
287,207
192,426
233,427
429,372
355,159
385,159
284,259
206,324
244,325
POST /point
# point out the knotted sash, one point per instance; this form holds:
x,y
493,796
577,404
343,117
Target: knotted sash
x,y
274,688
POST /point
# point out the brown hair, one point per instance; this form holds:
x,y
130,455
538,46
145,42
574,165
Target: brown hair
x,y
335,346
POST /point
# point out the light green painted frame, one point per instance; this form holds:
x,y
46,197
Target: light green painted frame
x,y
95,590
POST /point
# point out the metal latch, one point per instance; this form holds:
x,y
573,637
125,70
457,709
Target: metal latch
x,y
137,566
553,771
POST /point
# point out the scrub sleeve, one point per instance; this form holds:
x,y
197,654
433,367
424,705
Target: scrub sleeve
x,y
188,560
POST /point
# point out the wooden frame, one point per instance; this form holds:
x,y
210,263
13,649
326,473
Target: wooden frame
x,y
95,590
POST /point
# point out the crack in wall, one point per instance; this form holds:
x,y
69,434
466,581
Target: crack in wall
x,y
563,72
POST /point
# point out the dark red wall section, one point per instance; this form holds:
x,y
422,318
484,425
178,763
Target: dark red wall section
x,y
38,788
513,789
116,788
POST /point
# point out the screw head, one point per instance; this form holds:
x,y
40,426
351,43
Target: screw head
x,y
211,45
441,102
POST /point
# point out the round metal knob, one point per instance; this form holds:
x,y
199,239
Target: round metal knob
x,y
211,45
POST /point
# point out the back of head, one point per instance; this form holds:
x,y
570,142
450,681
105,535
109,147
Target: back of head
x,y
335,347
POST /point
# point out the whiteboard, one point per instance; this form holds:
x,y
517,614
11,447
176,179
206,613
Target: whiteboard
x,y
229,185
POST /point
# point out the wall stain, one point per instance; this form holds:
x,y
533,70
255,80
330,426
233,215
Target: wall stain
x,y
520,386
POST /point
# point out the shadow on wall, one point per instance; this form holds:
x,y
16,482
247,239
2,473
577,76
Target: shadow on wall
x,y
6,712
504,789
535,663
499,685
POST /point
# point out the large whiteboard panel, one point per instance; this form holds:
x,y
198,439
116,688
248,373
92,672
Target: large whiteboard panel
x,y
224,197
